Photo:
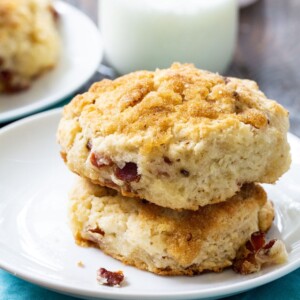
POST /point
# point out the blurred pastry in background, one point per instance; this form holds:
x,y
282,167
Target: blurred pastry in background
x,y
29,42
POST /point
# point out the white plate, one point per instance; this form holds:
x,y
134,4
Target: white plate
x,y
82,52
36,243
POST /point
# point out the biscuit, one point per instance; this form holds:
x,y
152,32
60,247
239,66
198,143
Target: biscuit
x,y
162,240
29,42
180,137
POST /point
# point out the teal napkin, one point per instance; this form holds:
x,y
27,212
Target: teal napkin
x,y
287,288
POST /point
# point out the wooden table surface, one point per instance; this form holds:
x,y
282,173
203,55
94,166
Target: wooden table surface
x,y
268,50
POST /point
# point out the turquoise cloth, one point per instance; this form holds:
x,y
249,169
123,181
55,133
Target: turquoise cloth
x,y
285,288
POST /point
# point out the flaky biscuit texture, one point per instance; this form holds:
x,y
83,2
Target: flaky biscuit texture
x,y
179,137
162,240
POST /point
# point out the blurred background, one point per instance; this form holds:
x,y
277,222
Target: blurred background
x,y
267,50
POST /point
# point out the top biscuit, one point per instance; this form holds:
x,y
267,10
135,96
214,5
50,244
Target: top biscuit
x,y
179,137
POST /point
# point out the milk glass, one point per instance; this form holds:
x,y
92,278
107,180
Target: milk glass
x,y
150,34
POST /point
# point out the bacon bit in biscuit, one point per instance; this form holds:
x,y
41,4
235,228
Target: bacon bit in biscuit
x,y
256,253
110,278
189,237
99,160
236,95
226,80
89,145
97,230
185,173
167,160
128,173
256,241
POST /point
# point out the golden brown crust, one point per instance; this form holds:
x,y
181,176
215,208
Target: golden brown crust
x,y
186,236
162,240
145,101
180,137
189,271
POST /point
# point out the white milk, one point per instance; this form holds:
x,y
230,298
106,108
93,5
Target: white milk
x,y
149,34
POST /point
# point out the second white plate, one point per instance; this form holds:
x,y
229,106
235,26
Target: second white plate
x,y
36,243
82,52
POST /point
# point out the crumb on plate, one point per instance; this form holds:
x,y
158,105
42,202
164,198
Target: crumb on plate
x,y
80,264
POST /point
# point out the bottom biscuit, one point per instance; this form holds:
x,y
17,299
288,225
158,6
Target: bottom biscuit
x,y
165,241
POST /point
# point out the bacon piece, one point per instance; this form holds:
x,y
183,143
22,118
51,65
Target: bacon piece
x,y
185,173
226,80
257,240
99,160
167,160
257,252
128,173
89,145
236,95
269,245
108,278
189,237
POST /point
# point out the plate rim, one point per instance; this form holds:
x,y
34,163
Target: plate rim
x,y
221,291
20,112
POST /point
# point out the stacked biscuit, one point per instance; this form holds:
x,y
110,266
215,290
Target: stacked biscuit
x,y
29,42
169,163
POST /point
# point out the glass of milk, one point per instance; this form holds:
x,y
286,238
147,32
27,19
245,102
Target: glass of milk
x,y
150,34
